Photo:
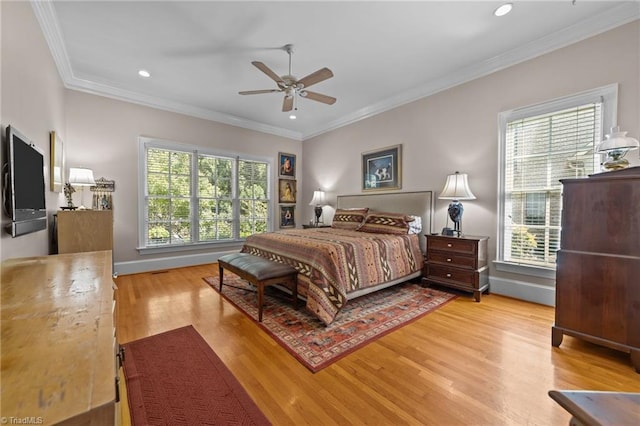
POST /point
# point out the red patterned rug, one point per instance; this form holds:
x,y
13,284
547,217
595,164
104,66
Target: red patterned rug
x,y
174,378
362,321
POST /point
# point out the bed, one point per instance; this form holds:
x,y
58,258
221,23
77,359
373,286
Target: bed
x,y
341,263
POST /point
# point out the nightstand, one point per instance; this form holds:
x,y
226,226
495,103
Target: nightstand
x,y
307,226
459,263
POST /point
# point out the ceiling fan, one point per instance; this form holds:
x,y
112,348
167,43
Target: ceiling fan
x,y
291,86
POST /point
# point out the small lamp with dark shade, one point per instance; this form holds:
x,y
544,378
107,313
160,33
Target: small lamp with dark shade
x,y
456,188
318,200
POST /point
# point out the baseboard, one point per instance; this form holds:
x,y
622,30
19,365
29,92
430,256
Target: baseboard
x,y
535,293
158,264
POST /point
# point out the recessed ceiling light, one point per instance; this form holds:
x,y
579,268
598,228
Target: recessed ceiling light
x,y
144,73
503,10
292,117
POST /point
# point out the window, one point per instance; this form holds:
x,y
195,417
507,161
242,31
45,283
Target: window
x,y
540,145
194,196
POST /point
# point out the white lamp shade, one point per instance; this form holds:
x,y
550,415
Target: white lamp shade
x,y
457,188
617,140
81,177
318,198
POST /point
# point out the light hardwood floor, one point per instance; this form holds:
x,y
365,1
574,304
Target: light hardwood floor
x,y
468,363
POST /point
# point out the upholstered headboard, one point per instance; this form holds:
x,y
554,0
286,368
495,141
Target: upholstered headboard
x,y
419,203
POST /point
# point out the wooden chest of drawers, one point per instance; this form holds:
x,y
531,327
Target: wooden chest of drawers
x,y
460,263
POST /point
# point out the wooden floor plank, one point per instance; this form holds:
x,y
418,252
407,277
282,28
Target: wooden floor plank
x,y
465,363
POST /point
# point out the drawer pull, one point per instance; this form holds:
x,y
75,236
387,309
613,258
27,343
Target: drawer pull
x,y
448,259
449,245
448,275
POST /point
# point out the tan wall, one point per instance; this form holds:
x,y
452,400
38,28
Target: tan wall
x,y
32,99
457,129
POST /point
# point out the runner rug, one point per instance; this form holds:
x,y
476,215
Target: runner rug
x,y
362,320
174,378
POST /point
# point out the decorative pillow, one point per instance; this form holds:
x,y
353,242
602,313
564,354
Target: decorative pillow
x,y
386,223
415,226
349,218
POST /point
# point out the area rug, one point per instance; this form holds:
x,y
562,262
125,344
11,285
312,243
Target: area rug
x,y
362,321
174,378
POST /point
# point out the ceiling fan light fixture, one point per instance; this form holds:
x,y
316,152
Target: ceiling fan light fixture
x,y
503,10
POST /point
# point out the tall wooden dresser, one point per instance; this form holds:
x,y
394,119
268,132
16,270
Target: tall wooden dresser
x,y
598,266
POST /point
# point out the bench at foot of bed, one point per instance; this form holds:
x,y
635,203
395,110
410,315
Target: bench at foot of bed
x,y
261,273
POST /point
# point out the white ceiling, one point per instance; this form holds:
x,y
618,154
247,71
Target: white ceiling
x,y
382,54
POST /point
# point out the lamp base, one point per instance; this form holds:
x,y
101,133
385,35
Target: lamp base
x,y
318,212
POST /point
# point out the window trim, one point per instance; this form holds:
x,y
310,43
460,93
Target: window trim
x,y
608,95
197,149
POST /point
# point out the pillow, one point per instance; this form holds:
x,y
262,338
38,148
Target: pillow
x,y
386,223
415,226
349,218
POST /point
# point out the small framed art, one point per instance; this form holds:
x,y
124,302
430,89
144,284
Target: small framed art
x,y
287,190
382,169
287,216
57,165
287,165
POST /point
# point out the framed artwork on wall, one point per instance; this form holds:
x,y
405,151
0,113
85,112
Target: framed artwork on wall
x,y
287,190
287,165
382,169
56,168
287,216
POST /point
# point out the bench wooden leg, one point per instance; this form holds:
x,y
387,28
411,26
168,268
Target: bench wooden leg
x,y
260,289
220,273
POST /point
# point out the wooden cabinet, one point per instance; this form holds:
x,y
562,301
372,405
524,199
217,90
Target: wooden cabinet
x,y
460,263
58,339
84,230
598,266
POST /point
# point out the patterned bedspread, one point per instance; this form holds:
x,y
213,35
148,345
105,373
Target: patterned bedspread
x,y
333,262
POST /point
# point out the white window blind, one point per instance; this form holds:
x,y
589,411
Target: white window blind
x,y
540,150
195,197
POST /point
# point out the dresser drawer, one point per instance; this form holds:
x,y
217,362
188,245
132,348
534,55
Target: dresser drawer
x,y
462,277
452,259
452,245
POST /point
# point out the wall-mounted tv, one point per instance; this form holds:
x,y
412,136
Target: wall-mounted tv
x,y
24,185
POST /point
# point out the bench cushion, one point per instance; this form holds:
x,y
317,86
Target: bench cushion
x,y
258,267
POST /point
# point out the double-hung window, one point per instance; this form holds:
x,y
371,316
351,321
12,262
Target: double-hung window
x,y
193,196
540,145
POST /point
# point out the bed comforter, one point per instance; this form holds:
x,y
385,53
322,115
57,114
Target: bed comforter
x,y
332,263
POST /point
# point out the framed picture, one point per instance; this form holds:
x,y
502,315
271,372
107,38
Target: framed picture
x,y
382,169
56,167
287,165
287,190
287,216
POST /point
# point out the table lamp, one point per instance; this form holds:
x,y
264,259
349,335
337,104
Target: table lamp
x,y
318,201
456,188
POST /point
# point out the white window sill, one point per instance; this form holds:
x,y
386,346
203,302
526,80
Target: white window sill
x,y
534,271
218,245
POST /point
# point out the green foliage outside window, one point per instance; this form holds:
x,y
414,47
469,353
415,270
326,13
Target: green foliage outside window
x,y
173,211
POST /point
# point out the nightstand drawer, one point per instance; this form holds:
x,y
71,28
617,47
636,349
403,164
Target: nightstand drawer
x,y
452,259
452,245
459,276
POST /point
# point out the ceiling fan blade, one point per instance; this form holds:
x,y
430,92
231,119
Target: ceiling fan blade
x,y
287,104
318,97
316,77
265,69
256,92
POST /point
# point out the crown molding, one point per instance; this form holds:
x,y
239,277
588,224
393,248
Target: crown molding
x,y
617,16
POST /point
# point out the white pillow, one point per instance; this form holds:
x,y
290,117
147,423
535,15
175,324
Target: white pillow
x,y
415,226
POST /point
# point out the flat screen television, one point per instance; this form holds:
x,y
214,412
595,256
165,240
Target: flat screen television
x,y
24,185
